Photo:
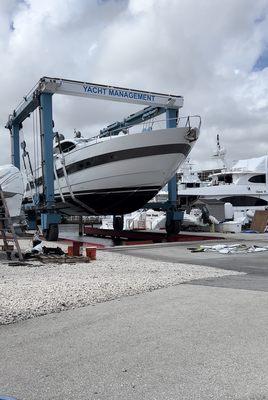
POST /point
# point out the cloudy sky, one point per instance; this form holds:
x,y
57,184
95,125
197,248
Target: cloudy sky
x,y
213,52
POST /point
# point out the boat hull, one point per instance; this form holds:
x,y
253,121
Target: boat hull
x,y
112,202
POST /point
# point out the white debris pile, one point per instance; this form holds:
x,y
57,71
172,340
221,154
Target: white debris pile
x,y
29,291
230,248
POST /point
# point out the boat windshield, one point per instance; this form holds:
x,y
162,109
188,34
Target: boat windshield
x,y
65,147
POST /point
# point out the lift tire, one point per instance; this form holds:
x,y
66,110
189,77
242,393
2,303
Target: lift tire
x,y
173,227
118,222
52,233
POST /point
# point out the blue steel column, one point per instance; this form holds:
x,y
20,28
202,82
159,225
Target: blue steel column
x,y
15,145
49,218
171,121
174,216
47,137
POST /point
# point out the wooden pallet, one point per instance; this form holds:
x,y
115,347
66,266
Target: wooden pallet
x,y
20,264
8,247
62,259
260,221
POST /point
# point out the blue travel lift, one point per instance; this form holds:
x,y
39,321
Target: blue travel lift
x,y
41,97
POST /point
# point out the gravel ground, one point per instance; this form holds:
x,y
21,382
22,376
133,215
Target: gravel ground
x,y
30,291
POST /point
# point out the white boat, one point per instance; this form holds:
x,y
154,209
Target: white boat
x,y
118,174
11,182
138,220
244,185
188,177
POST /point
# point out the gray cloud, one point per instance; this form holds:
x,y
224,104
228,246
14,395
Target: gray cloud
x,y
204,50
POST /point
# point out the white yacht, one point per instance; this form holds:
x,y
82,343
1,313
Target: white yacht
x,y
116,174
188,177
245,186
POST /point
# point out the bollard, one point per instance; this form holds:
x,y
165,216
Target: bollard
x,y
76,248
91,252
70,251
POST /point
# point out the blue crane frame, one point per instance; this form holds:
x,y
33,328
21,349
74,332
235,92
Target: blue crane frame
x,y
41,96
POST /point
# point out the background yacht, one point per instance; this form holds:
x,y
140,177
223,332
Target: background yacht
x,y
244,186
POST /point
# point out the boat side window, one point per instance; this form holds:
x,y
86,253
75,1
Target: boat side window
x,y
226,178
67,146
192,184
258,179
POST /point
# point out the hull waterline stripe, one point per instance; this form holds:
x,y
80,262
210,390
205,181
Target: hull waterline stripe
x,y
129,189
113,190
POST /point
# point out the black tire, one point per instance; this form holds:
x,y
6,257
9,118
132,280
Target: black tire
x,y
118,222
52,233
173,227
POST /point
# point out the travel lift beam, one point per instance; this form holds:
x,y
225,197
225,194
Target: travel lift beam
x,y
133,119
41,96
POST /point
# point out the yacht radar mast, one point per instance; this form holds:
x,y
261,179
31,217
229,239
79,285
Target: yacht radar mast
x,y
220,153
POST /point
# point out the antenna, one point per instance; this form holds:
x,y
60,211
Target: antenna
x,y
220,152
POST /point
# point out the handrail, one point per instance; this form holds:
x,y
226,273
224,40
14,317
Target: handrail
x,y
153,122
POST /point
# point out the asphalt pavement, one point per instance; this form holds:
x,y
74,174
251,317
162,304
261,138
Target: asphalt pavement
x,y
203,340
254,265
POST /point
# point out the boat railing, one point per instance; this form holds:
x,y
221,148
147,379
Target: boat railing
x,y
190,121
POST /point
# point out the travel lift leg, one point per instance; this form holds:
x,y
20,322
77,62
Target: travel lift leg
x,y
118,222
49,219
174,216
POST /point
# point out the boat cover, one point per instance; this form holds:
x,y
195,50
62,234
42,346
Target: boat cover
x,y
11,182
258,164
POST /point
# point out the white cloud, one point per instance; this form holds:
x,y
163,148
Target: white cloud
x,y
203,50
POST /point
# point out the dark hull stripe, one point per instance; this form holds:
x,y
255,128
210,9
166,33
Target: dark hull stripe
x,y
235,200
120,155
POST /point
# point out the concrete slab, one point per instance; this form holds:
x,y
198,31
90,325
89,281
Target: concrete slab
x,y
184,342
